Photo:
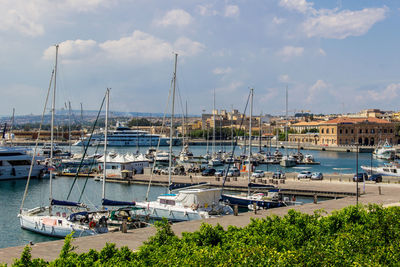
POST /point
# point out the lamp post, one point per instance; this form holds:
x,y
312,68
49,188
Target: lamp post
x,y
357,174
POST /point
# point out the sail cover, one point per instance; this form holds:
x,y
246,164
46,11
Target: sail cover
x,y
253,185
108,202
55,202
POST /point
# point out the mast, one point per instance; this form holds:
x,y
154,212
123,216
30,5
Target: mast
x,y
286,124
232,129
213,143
259,136
171,130
249,156
53,105
11,127
69,126
103,192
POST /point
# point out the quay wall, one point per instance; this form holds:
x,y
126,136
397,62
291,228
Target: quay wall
x,y
383,194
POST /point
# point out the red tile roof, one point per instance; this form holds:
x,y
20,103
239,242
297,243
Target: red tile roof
x,y
355,120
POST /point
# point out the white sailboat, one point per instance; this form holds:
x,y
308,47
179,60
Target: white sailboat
x,y
47,221
216,157
188,204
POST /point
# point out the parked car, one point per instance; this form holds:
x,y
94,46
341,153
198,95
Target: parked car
x,y
360,177
208,172
304,175
376,178
317,176
279,175
233,172
258,174
219,173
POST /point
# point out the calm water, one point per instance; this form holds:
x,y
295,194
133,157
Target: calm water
x,y
11,192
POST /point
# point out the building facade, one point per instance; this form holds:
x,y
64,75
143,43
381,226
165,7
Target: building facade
x,y
349,131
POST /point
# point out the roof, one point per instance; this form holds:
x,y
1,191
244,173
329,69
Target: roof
x,y
307,123
355,120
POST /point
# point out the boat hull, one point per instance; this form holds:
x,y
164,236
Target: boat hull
x,y
245,202
19,172
37,224
175,215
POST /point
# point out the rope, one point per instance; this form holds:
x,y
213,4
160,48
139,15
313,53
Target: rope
x,y
36,144
158,144
86,148
234,146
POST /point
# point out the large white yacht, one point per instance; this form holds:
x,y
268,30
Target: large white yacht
x,y
125,136
15,164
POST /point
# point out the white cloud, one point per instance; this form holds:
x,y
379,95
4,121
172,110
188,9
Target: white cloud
x,y
231,88
29,17
278,21
314,90
288,52
185,46
271,95
72,49
206,10
301,6
391,92
221,71
329,24
175,17
284,78
231,11
321,52
139,46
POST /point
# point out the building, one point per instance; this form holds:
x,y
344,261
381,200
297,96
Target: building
x,y
305,126
306,138
364,131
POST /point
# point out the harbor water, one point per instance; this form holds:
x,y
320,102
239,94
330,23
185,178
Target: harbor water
x,y
11,192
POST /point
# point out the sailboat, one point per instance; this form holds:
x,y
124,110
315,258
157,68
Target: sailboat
x,y
259,199
47,221
287,160
216,159
187,204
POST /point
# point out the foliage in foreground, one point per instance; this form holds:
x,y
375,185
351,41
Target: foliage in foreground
x,y
352,236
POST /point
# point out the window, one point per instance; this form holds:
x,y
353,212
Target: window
x,y
391,130
333,130
340,131
366,130
384,130
352,131
360,131
327,130
322,130
372,131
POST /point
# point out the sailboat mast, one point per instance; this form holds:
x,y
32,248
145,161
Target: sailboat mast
x,y
286,124
103,192
171,130
213,143
249,156
259,136
53,105
69,126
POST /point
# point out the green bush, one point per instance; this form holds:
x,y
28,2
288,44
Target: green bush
x,y
354,236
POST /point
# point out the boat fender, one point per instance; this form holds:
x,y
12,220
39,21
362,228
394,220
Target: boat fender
x,y
194,206
92,224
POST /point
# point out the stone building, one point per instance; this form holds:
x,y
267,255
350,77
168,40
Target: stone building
x,y
364,131
307,138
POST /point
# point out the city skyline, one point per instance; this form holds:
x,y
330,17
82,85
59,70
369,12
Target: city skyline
x,y
335,57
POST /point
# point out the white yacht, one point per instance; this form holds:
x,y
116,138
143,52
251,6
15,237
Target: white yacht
x,y
385,151
186,205
388,169
15,164
125,136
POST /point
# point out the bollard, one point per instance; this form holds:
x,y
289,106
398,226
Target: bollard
x,y
235,210
228,179
235,179
379,190
315,199
255,207
216,178
330,179
124,227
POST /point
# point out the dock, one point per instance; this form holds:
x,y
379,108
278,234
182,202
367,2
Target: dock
x,y
384,194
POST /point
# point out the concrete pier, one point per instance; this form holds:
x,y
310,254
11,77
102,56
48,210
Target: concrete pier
x,y
374,193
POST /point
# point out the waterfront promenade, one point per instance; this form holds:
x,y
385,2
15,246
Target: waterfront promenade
x,y
134,238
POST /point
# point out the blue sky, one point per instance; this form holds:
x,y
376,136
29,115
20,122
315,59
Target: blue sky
x,y
334,56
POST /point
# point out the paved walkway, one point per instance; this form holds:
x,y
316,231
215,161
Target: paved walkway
x,y
134,238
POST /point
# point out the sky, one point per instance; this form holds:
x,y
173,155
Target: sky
x,y
333,56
